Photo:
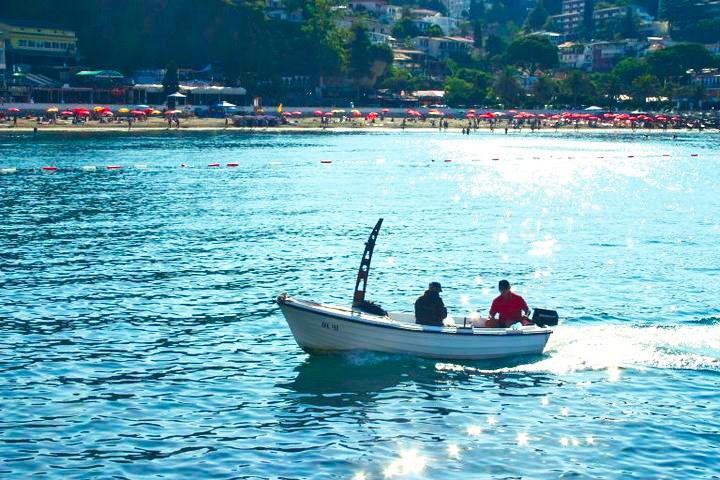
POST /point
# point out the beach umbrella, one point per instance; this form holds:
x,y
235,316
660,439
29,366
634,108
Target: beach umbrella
x,y
435,113
66,113
82,113
52,110
470,115
106,113
356,113
287,114
338,110
385,110
13,110
372,114
542,115
318,113
99,109
124,110
556,117
137,113
141,107
328,114
148,111
297,113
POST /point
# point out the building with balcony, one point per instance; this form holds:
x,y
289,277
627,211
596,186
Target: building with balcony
x,y
440,48
27,45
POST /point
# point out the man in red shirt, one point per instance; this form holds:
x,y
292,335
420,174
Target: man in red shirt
x,y
509,307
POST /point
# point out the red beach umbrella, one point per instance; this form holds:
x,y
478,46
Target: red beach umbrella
x,y
297,113
318,113
13,110
385,110
66,113
137,113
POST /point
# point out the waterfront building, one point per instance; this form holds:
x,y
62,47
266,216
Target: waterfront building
x,y
27,45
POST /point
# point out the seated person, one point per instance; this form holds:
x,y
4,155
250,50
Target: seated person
x,y
510,308
429,307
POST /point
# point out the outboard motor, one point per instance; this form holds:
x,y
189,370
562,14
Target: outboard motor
x,y
545,318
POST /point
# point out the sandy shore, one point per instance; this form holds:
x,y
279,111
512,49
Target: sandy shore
x,y
157,125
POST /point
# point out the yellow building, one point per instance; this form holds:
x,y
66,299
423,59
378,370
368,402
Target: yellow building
x,y
28,44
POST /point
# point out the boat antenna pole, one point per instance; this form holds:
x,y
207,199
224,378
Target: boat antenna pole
x,y
362,276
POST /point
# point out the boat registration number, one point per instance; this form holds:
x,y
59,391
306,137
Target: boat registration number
x,y
330,326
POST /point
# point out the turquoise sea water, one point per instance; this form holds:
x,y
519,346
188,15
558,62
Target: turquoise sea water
x,y
138,337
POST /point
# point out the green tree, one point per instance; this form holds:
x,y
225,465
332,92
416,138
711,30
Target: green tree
x,y
171,83
629,69
477,34
536,18
435,31
645,86
458,91
507,88
544,90
405,28
359,58
494,45
675,61
577,87
533,51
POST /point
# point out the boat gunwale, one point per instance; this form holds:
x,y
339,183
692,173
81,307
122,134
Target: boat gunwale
x,y
461,331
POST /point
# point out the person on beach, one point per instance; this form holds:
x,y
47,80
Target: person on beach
x,y
509,307
429,307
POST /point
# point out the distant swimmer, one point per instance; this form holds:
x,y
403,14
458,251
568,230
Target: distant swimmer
x,y
509,307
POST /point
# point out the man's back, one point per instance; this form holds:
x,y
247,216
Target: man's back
x,y
509,308
430,309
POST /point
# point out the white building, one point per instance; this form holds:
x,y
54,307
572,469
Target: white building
x,y
456,8
575,55
442,47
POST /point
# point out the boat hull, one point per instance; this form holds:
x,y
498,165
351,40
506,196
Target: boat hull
x,y
323,328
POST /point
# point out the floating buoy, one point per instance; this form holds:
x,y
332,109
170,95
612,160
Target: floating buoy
x,y
113,167
233,164
325,161
88,168
49,169
183,165
7,171
213,165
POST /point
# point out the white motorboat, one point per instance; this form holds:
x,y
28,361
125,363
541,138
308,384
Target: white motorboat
x,y
366,326
324,328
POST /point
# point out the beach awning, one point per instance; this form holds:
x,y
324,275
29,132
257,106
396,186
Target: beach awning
x,y
225,104
593,109
177,95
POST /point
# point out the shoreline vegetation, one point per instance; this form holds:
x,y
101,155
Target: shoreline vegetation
x,y
156,125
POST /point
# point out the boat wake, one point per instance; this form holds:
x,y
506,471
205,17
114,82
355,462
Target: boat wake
x,y
612,346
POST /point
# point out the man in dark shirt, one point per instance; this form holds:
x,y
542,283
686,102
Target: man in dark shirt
x,y
429,307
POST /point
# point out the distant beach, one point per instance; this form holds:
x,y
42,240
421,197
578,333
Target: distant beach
x,y
297,125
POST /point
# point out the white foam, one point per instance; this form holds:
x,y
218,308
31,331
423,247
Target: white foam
x,y
611,347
